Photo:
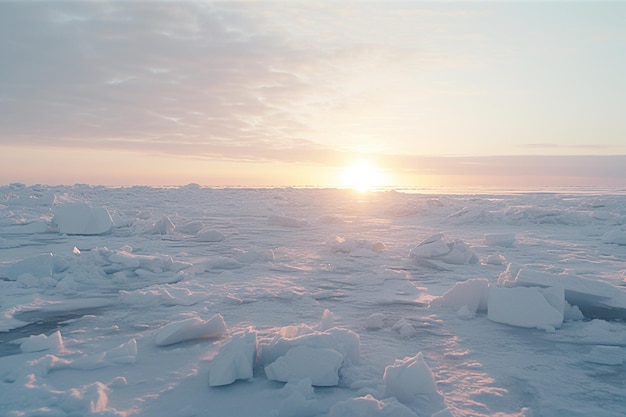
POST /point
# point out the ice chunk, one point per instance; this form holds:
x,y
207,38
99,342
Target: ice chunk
x,y
355,247
405,328
375,321
191,228
162,227
290,332
299,400
472,293
40,266
253,255
460,254
124,353
408,378
122,260
526,306
606,355
596,332
210,236
594,298
495,260
29,228
90,362
437,248
431,247
343,341
42,342
47,363
82,219
572,313
126,260
321,365
615,236
465,313
118,382
235,360
89,399
327,321
192,328
285,221
500,239
472,215
508,275
222,262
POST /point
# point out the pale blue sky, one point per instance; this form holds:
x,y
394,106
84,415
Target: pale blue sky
x,y
289,92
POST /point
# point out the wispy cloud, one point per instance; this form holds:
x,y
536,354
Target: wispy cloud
x,y
516,170
159,74
573,146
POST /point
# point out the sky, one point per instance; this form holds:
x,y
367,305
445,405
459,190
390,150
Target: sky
x,y
293,93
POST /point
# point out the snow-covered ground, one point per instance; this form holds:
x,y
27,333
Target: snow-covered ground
x,y
191,301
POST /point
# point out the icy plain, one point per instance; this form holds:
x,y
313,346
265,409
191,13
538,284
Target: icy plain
x,y
192,301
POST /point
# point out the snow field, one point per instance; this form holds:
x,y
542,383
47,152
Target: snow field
x,y
309,302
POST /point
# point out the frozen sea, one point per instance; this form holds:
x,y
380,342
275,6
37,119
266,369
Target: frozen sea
x,y
193,301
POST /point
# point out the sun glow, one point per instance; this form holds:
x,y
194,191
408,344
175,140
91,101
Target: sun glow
x,y
362,176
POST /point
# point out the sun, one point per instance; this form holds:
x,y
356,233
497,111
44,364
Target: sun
x,y
362,176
